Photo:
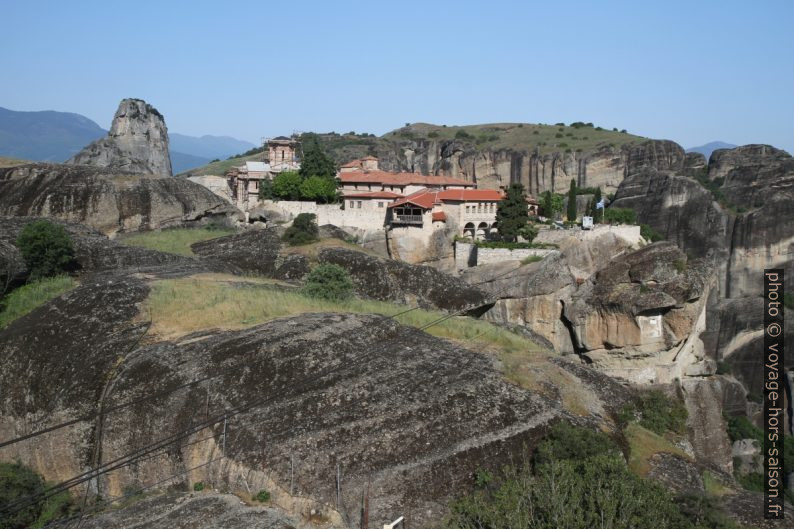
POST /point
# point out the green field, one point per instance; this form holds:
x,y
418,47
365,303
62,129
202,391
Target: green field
x,y
174,240
31,296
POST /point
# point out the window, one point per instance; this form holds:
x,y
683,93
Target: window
x,y
351,204
359,204
380,204
479,207
467,209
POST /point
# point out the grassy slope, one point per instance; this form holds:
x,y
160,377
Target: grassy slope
x,y
178,307
176,240
644,444
11,162
517,136
521,136
220,168
28,297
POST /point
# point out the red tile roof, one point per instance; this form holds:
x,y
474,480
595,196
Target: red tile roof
x,y
400,179
426,198
351,163
375,194
439,215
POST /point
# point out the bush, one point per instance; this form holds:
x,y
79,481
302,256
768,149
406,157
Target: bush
x,y
262,496
304,230
620,216
656,412
46,248
198,486
432,134
649,234
565,441
463,135
16,482
329,281
287,185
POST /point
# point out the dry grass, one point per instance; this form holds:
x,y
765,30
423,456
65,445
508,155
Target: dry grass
x,y
714,486
174,240
5,161
643,444
178,307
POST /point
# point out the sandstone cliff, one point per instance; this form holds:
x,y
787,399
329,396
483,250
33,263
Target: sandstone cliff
x,y
108,200
137,142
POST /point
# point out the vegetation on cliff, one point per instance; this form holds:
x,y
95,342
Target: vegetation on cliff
x,y
174,240
577,478
18,481
28,297
47,249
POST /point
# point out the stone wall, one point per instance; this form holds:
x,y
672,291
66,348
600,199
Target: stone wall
x,y
364,219
468,255
630,234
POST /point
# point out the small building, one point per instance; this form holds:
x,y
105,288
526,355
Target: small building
x,y
367,163
472,210
370,201
282,154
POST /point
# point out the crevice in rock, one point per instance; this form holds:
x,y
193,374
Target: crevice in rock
x,y
578,349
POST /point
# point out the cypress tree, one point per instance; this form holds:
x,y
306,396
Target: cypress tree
x,y
511,213
572,201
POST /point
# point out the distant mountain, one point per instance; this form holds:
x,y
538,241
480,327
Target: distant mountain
x,y
50,136
708,148
209,147
181,162
45,136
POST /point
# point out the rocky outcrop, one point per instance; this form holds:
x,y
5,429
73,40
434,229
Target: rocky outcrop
x,y
254,251
94,252
605,166
174,510
137,142
400,413
389,280
640,317
108,200
740,224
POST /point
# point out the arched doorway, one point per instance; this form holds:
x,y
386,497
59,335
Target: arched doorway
x,y
468,230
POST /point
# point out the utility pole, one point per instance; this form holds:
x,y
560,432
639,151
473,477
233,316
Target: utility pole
x,y
337,487
223,447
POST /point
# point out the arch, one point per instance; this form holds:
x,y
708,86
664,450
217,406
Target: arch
x,y
469,230
482,230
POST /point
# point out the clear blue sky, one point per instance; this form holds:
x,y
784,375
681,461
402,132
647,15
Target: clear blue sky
x,y
688,71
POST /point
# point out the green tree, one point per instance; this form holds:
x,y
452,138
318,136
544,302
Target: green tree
x,y
528,232
266,191
46,248
594,211
571,213
620,216
512,214
329,281
551,204
319,189
315,161
17,482
303,230
287,185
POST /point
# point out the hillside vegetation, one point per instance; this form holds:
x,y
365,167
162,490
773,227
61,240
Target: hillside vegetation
x,y
529,137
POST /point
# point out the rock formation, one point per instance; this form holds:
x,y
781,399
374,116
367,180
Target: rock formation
x,y
110,201
137,142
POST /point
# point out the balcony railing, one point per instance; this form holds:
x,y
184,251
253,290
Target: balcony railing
x,y
407,219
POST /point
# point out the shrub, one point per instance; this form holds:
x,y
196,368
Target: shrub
x,y
535,132
432,134
18,481
657,412
620,216
46,248
198,486
649,234
463,135
559,135
565,441
531,259
266,191
303,230
329,281
262,496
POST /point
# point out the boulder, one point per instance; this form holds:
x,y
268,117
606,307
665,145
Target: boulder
x,y
137,142
388,280
408,416
108,200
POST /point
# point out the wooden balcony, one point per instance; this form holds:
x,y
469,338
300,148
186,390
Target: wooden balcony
x,y
407,219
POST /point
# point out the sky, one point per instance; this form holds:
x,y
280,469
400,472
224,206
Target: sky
x,y
692,72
